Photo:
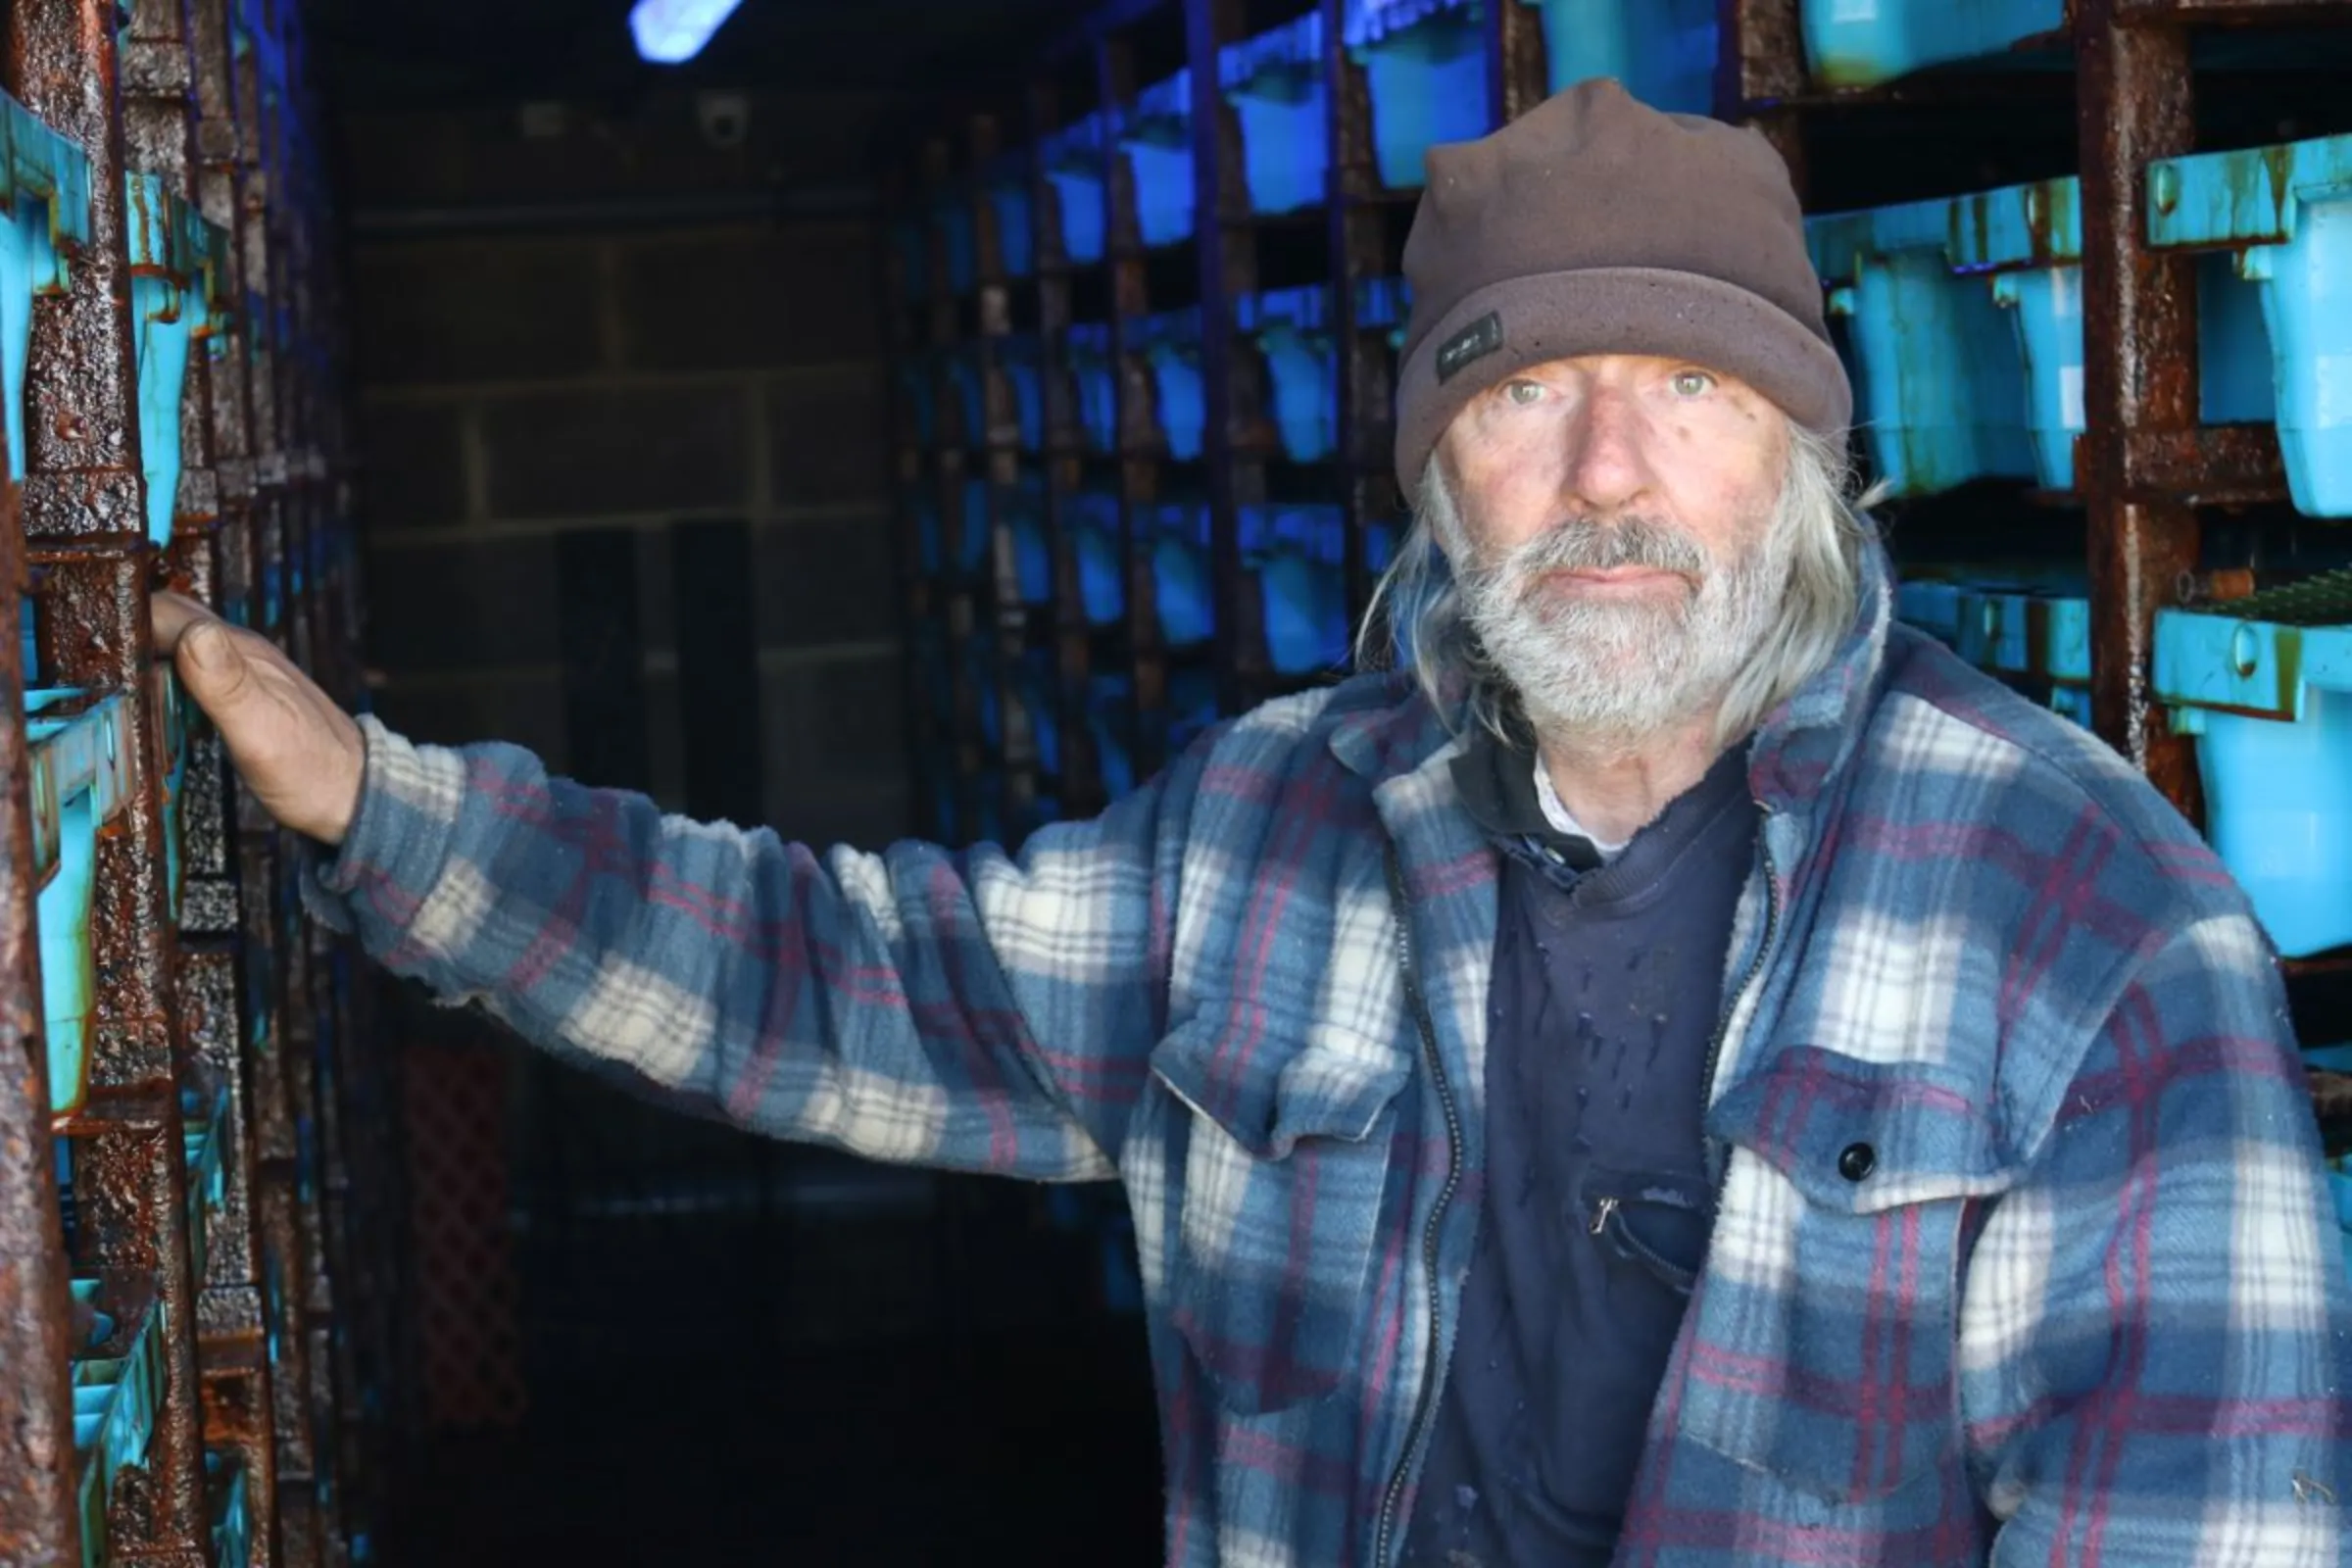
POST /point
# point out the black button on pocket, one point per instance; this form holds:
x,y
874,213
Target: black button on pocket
x,y
1857,1161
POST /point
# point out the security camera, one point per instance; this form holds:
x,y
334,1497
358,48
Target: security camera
x,y
725,117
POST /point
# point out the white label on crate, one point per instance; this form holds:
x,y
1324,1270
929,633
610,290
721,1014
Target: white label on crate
x,y
1851,11
2070,397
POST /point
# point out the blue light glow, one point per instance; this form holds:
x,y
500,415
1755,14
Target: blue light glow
x,y
669,33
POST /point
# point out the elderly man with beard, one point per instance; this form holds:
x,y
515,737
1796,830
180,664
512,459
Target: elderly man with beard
x,y
1683,1073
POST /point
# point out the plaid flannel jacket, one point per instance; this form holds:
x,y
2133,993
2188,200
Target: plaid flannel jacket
x,y
2088,1304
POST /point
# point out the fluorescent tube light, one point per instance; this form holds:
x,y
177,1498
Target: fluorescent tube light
x,y
669,33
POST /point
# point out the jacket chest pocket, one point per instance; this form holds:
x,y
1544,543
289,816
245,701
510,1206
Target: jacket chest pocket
x,y
1824,1343
1286,1133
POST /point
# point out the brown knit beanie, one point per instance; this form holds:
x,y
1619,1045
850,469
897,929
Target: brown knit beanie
x,y
1594,225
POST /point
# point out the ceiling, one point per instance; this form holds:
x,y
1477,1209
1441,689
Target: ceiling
x,y
448,53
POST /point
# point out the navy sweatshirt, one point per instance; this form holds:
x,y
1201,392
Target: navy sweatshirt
x,y
1606,996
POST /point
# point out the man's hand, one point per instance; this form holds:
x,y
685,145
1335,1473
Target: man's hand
x,y
303,758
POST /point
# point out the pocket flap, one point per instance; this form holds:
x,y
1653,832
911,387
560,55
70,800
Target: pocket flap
x,y
1861,1136
1269,1080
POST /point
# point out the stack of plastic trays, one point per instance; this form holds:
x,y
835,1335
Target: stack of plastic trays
x,y
1171,343
1290,329
2281,216
971,403
1072,161
81,747
203,1131
1155,136
1860,43
179,292
1963,329
115,1404
46,182
1275,85
2265,684
1662,50
2039,642
1425,64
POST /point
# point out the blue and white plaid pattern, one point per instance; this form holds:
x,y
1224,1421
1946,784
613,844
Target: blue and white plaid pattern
x,y
2088,1305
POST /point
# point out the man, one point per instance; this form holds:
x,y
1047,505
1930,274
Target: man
x,y
1689,1074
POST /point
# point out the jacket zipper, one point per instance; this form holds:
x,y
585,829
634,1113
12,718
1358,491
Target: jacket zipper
x,y
1716,1162
1418,1433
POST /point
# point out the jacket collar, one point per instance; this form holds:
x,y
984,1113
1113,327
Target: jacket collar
x,y
1391,729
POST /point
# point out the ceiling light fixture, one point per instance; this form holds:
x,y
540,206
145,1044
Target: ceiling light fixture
x,y
669,33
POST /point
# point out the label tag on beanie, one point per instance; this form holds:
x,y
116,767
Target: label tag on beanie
x,y
1474,342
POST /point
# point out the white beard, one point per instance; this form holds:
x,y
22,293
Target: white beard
x,y
1618,670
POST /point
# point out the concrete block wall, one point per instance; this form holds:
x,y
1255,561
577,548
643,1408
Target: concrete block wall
x,y
564,323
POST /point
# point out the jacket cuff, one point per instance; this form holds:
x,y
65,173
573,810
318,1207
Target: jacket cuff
x,y
401,832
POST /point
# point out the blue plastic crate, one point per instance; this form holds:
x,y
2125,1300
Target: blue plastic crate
x,y
1019,357
115,1399
1662,50
914,261
971,403
80,747
1095,377
1932,605
179,296
1275,85
1385,303
1038,688
1962,323
2271,706
204,1131
1155,136
1171,345
1182,585
1009,194
2037,638
1425,63
975,540
929,551
29,647
2286,212
1858,43
1024,512
1192,706
1093,520
918,391
1292,333
232,1517
959,238
1110,720
45,189
1072,159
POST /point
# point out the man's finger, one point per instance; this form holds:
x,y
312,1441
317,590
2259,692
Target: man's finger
x,y
211,664
174,615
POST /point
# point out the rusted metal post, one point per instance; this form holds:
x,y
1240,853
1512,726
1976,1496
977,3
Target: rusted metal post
x,y
38,1521
1759,68
84,517
2140,374
1358,217
1516,77
1235,437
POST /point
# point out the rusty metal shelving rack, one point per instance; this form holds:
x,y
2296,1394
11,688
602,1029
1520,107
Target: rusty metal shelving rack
x,y
276,1358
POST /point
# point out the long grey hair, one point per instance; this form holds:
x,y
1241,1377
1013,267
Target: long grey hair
x,y
1416,613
